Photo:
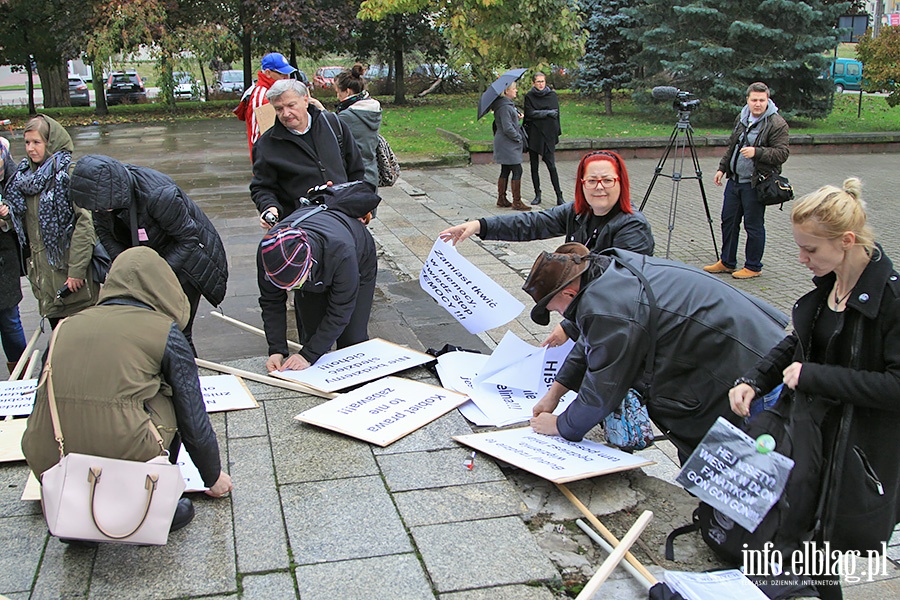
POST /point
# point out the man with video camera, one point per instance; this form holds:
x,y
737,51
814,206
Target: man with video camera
x,y
757,147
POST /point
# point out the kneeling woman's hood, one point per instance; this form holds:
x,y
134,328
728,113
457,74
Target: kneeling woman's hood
x,y
141,274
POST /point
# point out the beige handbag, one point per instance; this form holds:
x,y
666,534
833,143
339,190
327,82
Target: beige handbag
x,y
100,499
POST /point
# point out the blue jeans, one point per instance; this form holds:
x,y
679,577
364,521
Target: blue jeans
x,y
742,204
11,334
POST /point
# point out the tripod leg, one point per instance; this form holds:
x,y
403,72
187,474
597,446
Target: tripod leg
x,y
712,232
659,166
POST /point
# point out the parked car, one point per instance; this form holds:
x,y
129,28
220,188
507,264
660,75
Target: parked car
x,y
185,86
78,91
324,77
230,82
377,72
125,86
846,74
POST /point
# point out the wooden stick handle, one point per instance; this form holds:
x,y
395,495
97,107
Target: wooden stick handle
x,y
266,379
593,520
34,362
250,328
23,360
615,557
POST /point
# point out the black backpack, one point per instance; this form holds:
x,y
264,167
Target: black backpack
x,y
794,517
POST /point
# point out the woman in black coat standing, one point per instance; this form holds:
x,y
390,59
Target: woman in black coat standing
x,y
11,333
543,130
138,206
841,371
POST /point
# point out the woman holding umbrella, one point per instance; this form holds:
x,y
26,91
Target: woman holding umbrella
x,y
509,143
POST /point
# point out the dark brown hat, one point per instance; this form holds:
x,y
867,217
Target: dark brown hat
x,y
552,271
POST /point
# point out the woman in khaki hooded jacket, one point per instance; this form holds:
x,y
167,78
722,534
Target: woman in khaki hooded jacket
x,y
59,235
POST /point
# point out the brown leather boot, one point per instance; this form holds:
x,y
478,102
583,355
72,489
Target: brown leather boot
x,y
517,203
502,202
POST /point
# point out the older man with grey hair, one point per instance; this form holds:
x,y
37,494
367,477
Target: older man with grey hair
x,y
305,148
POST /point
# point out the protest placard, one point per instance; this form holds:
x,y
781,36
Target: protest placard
x,y
383,411
226,392
11,432
356,364
729,472
473,298
552,457
193,482
17,397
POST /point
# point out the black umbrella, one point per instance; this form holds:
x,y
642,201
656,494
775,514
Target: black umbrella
x,y
496,89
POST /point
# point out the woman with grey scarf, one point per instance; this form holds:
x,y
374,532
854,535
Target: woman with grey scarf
x,y
59,236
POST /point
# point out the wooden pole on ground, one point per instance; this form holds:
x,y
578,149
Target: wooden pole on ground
x,y
23,360
250,328
593,520
35,361
616,557
266,379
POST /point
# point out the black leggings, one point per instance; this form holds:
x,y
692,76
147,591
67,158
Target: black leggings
x,y
516,171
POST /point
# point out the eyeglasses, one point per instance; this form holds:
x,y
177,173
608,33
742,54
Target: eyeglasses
x,y
605,183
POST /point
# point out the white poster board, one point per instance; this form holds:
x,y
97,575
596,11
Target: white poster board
x,y
505,386
11,433
356,364
193,482
552,457
383,411
473,298
17,397
226,392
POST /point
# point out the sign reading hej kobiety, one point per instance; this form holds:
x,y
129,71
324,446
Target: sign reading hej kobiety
x,y
473,298
383,411
552,457
356,364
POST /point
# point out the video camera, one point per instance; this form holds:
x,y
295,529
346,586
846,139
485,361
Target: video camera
x,y
681,100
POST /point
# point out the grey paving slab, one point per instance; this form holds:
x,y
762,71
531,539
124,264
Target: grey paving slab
x,y
304,452
398,577
420,470
22,539
459,503
474,554
268,586
506,592
12,482
198,560
247,423
435,436
260,536
65,571
342,519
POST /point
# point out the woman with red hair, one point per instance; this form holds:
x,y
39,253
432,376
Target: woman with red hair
x,y
601,217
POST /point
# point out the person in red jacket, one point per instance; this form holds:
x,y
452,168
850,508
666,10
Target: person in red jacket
x,y
274,67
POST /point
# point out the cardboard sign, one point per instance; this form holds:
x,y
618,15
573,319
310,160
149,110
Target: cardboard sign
x,y
11,433
226,392
193,482
472,297
17,397
383,411
265,117
728,472
552,457
356,364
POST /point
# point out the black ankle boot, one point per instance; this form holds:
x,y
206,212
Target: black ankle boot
x,y
184,514
537,199
559,198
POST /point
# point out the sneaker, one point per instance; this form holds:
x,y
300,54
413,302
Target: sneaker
x,y
746,273
719,267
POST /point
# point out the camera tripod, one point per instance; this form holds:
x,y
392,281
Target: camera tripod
x,y
680,141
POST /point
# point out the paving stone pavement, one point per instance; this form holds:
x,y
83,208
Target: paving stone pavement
x,y
317,515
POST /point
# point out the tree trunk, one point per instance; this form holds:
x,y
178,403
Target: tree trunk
x,y
54,84
100,107
399,83
245,46
31,108
203,78
607,97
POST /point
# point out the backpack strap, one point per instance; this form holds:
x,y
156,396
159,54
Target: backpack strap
x,y
339,134
670,539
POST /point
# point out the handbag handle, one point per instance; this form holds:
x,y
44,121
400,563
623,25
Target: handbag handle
x,y
47,376
94,474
